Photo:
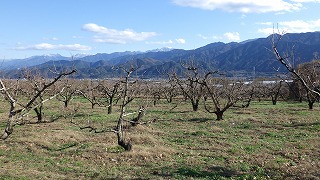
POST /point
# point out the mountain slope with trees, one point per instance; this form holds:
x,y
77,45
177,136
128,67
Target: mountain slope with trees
x,y
248,57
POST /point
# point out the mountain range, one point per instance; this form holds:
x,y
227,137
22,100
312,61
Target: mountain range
x,y
248,58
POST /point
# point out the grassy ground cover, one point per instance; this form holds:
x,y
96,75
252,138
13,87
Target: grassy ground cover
x,y
263,141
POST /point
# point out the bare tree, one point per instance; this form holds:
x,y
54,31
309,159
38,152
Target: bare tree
x,y
156,92
222,92
247,95
190,87
90,91
170,89
110,91
274,90
126,99
70,89
34,82
16,115
285,61
310,72
125,90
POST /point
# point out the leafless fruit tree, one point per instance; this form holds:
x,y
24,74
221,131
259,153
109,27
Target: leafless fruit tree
x,y
16,115
156,91
285,61
90,90
247,95
126,99
109,89
311,73
274,90
70,90
170,89
222,92
126,90
190,87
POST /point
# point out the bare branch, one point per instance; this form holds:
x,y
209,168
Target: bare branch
x,y
290,68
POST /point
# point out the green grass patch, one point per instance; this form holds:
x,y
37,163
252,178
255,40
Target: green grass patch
x,y
263,141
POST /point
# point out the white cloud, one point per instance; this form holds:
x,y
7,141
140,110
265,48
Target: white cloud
x,y
306,1
77,37
243,6
243,16
107,35
202,36
160,42
297,26
208,37
52,39
180,41
228,36
267,31
47,46
266,23
232,36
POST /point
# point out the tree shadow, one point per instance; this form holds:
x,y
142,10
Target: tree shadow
x,y
215,172
45,121
303,124
180,112
200,120
225,172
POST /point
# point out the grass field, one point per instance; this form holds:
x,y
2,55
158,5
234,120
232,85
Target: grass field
x,y
263,141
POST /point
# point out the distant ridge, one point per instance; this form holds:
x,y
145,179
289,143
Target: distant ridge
x,y
235,59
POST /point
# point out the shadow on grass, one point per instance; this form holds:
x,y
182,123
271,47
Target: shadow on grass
x,y
303,124
180,112
214,172
195,120
79,115
200,120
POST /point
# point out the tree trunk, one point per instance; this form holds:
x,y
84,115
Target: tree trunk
x,y
126,146
65,104
195,105
310,104
8,130
219,115
156,98
39,114
121,139
246,105
110,104
110,109
139,117
274,101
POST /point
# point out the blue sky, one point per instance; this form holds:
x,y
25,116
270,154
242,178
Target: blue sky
x,y
69,27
